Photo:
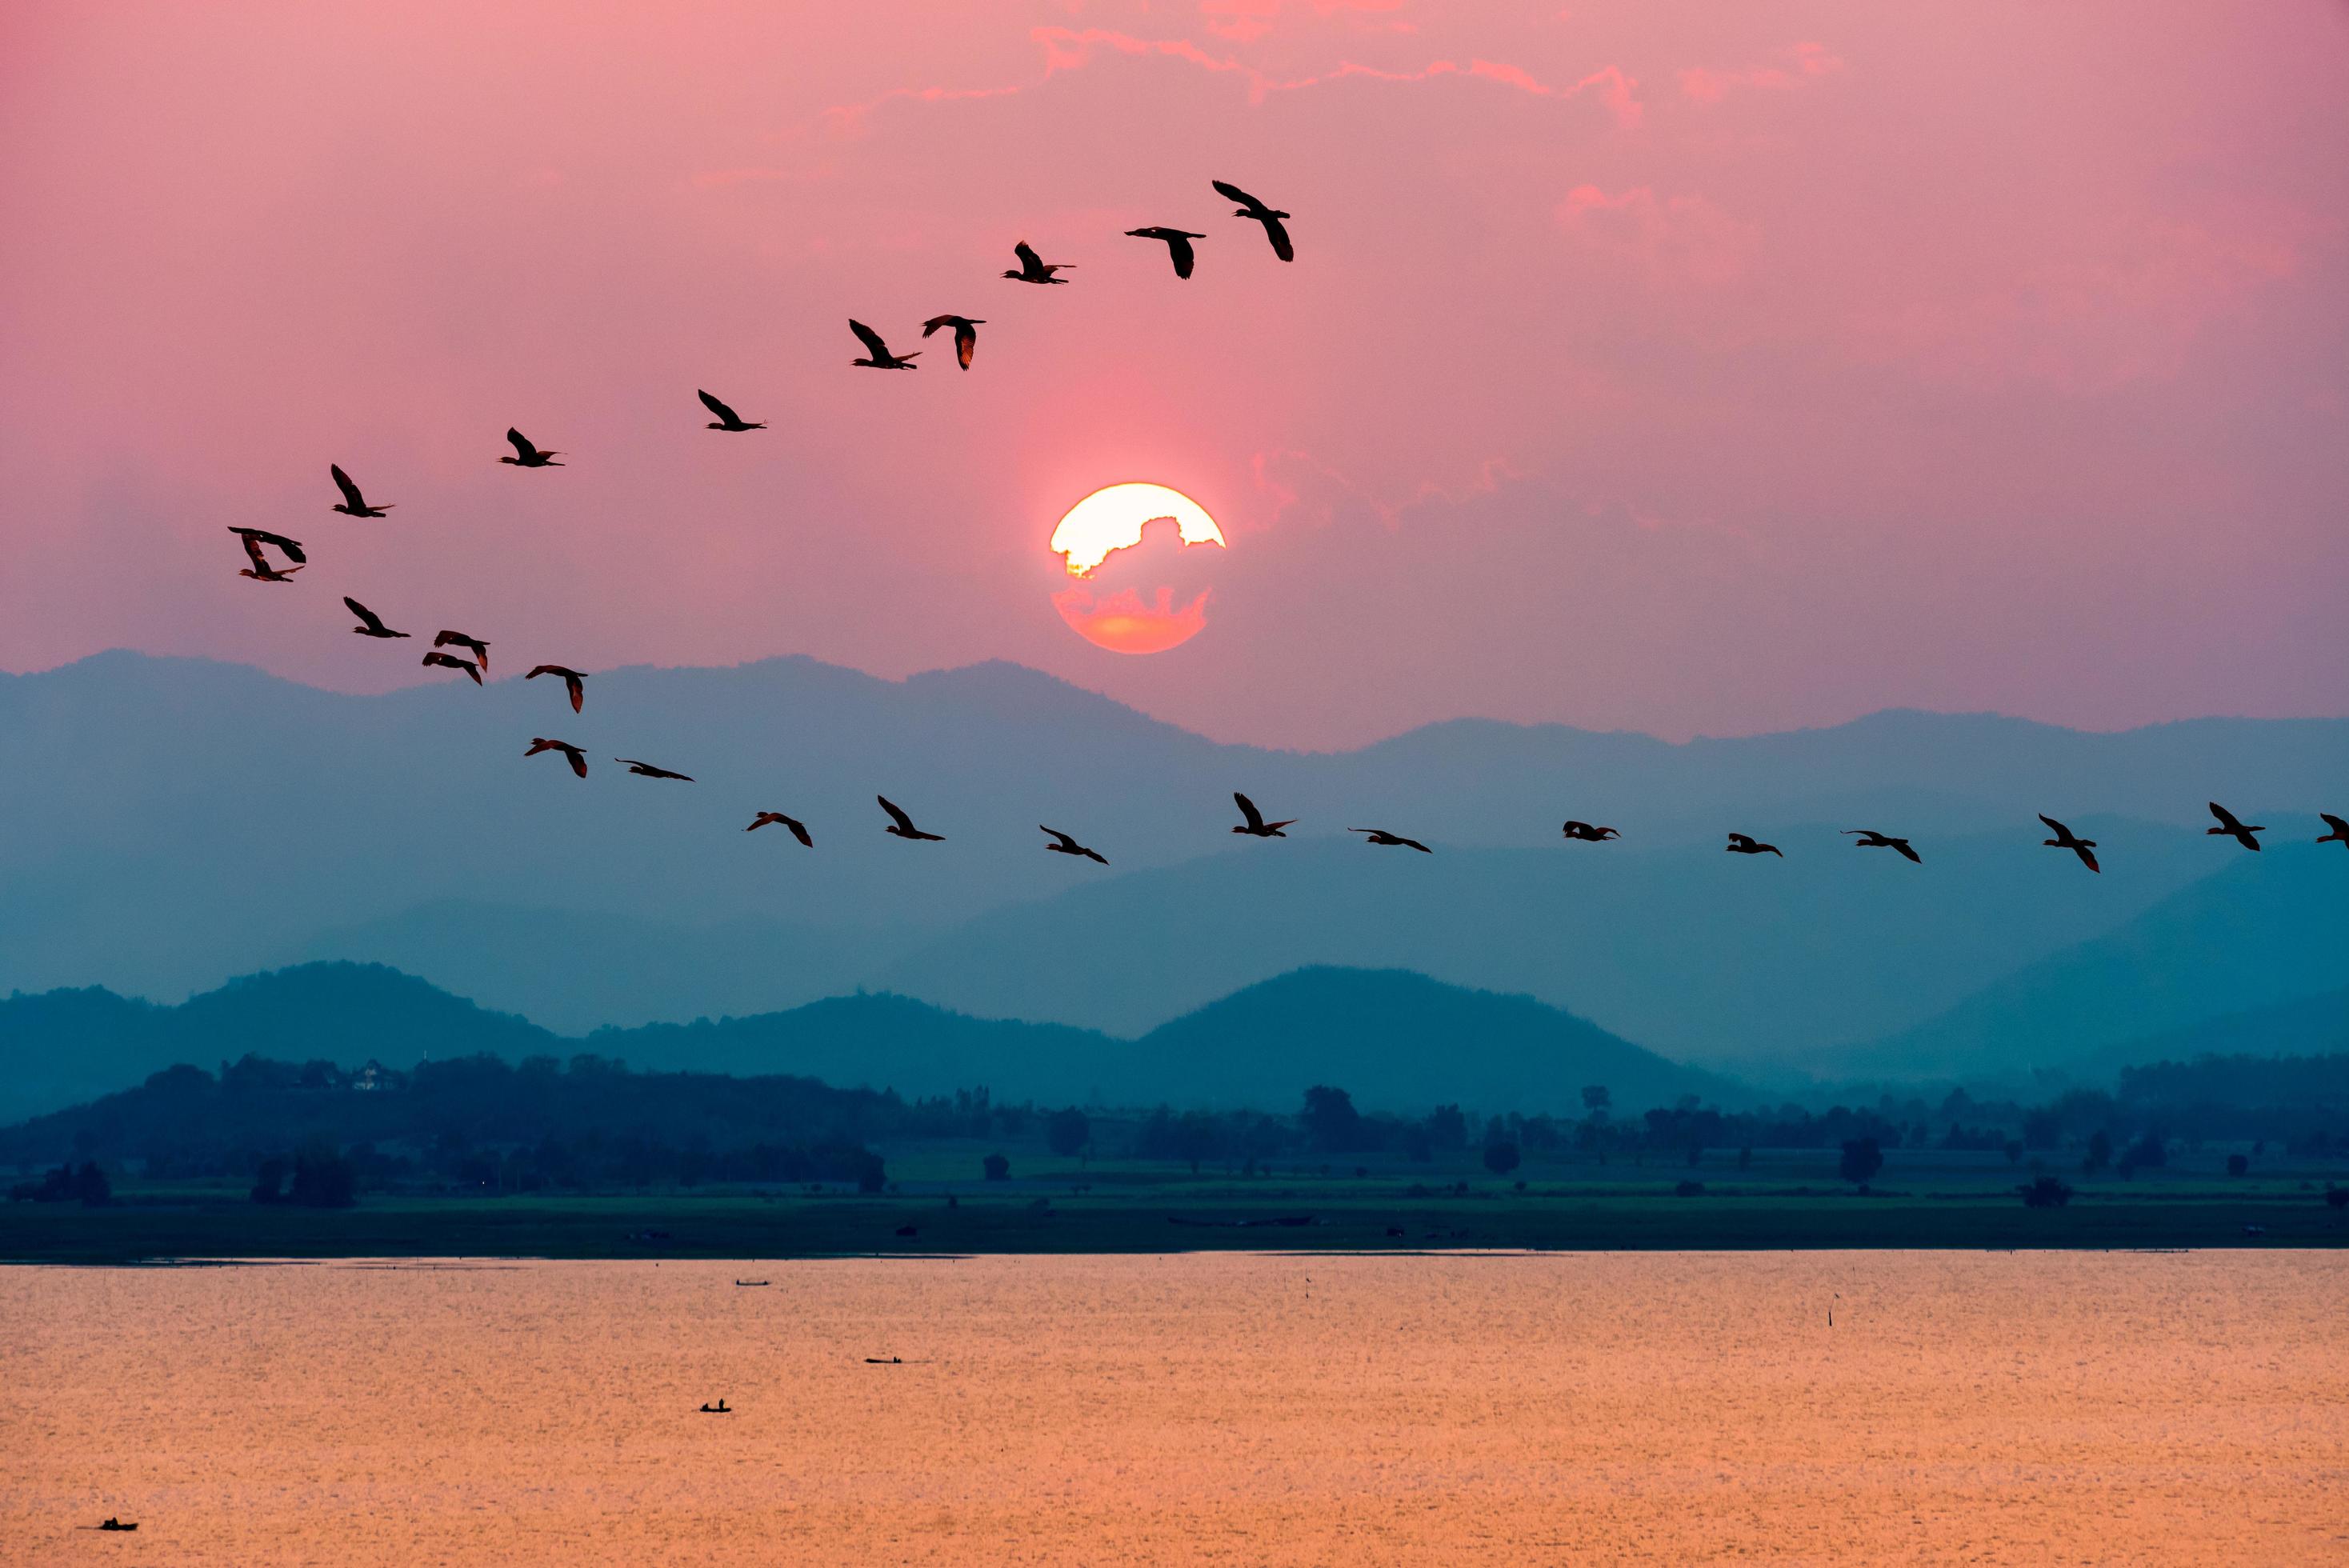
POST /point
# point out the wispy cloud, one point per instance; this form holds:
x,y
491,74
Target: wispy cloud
x,y
1797,66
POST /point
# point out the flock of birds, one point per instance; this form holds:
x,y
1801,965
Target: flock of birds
x,y
878,355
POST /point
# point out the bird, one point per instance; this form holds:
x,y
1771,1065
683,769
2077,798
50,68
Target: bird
x,y
1869,839
262,571
1179,245
901,826
798,827
727,418
290,547
1269,217
646,770
571,679
577,757
448,639
1381,836
882,360
966,331
370,623
1034,269
354,504
438,659
2065,840
2231,826
1747,844
1069,846
1584,833
527,455
2340,833
1255,826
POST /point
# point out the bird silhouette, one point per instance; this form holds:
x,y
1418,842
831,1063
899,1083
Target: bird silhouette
x,y
1747,844
1381,836
2234,827
966,333
354,504
1869,839
901,826
370,623
1034,269
1584,833
436,659
527,455
798,827
577,757
2340,826
646,770
1179,245
2065,839
1255,826
1069,846
260,570
571,679
880,357
727,418
448,639
1270,216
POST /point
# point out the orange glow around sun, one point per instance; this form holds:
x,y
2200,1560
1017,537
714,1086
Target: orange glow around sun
x,y
1110,535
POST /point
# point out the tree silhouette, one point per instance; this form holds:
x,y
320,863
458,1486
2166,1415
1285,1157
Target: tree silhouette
x,y
1501,1157
1862,1159
1068,1130
997,1167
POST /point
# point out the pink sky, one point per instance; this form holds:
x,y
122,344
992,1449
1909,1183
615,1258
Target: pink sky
x,y
1684,368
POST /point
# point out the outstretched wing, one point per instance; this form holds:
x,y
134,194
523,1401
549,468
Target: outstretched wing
x,y
715,406
2227,819
351,497
902,820
870,338
523,449
1231,192
1247,810
1902,845
799,830
292,547
2087,857
367,616
1029,260
1277,232
2055,827
965,340
578,760
1067,842
1178,246
2334,822
252,553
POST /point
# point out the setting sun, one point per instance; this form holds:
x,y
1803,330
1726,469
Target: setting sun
x,y
1135,617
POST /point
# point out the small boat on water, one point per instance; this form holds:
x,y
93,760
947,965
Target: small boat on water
x,y
885,1361
720,1408
748,1283
117,1524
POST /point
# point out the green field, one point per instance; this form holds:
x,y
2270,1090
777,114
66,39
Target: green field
x,y
1786,1200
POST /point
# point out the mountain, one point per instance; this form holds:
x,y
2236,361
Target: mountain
x,y
173,822
2269,930
2314,1026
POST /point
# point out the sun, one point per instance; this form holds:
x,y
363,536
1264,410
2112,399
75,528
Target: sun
x,y
1110,534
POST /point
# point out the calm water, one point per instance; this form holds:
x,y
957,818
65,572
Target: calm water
x,y
1241,1409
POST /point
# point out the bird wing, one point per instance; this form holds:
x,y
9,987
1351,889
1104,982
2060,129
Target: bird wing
x,y
871,339
523,449
936,321
351,497
966,339
1247,810
902,820
2227,819
2334,822
2055,827
1067,842
715,406
292,547
2087,857
799,830
368,617
1179,247
1233,193
1029,260
252,553
577,758
1277,232
1902,845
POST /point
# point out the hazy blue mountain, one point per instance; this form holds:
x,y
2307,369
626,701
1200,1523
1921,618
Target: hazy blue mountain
x,y
2314,1026
2267,930
173,822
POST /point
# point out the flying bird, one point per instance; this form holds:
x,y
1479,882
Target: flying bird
x,y
901,826
1069,846
2340,833
571,679
1270,216
966,331
527,455
1396,841
2234,827
448,639
1179,245
1255,826
354,504
727,418
1584,833
370,623
1747,844
881,358
436,659
1034,269
577,757
646,770
798,827
1869,839
260,570
2065,839
291,548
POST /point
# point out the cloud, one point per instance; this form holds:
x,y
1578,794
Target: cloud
x,y
1683,238
1245,21
1796,68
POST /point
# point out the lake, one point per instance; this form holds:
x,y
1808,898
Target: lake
x,y
1218,1409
